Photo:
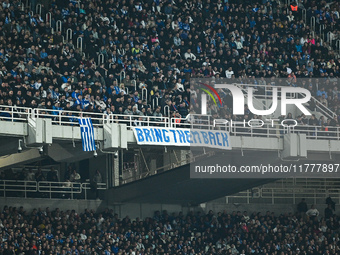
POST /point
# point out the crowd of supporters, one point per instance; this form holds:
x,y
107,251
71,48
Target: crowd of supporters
x,y
159,46
236,233
62,187
32,175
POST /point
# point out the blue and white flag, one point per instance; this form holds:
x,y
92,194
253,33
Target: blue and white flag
x,y
87,134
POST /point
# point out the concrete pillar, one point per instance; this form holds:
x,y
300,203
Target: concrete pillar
x,y
115,170
153,166
168,159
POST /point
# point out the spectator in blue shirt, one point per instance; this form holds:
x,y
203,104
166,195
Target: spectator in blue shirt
x,y
321,92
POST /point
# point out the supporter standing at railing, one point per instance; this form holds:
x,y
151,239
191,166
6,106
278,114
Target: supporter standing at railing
x,y
30,176
52,175
313,123
329,201
97,178
68,173
329,211
75,177
39,176
67,186
183,110
158,115
302,207
313,213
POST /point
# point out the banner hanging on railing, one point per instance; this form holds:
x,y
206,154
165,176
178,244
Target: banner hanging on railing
x,y
87,134
182,137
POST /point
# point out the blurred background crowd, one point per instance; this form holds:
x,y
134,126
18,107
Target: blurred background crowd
x,y
119,56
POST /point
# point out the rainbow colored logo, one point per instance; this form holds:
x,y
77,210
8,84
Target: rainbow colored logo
x,y
210,94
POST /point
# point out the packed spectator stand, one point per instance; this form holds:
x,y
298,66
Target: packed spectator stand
x,y
53,231
137,57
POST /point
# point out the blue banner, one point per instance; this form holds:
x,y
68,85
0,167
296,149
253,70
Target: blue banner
x,y
182,137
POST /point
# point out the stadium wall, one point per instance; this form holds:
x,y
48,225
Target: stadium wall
x,y
134,210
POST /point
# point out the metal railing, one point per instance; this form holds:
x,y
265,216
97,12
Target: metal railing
x,y
144,94
291,191
59,24
38,9
72,190
329,38
69,34
49,18
321,31
323,109
155,102
61,117
122,76
194,121
304,15
62,188
306,183
270,127
100,59
257,99
87,186
312,23
22,6
134,82
166,110
138,120
14,113
13,186
80,43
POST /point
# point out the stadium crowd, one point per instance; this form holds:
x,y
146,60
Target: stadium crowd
x,y
236,233
159,46
69,183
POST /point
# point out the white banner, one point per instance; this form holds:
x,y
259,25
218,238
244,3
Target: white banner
x,y
182,137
